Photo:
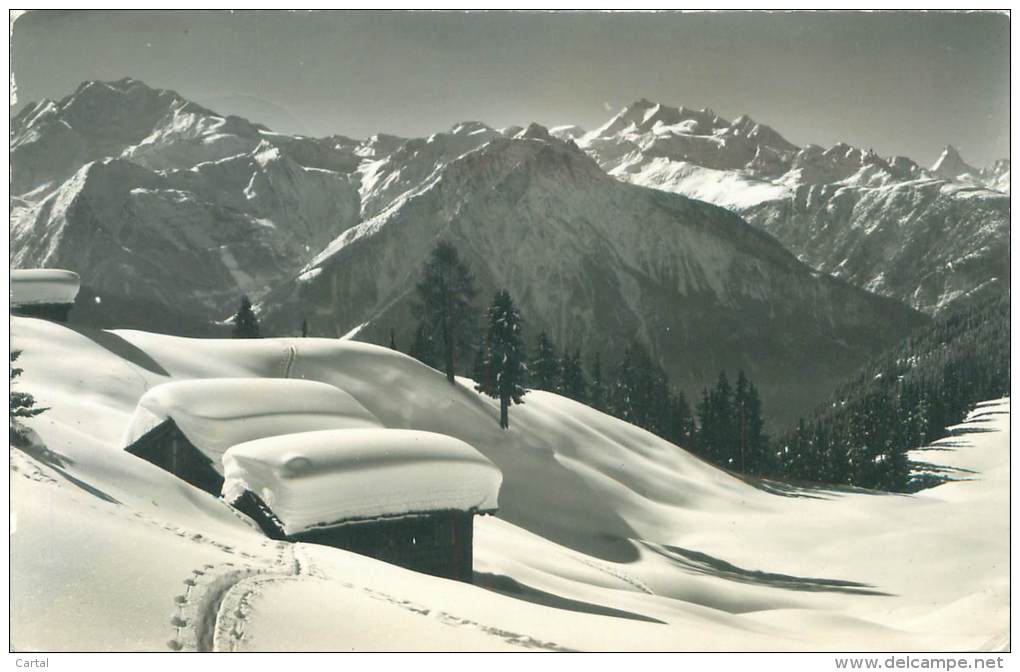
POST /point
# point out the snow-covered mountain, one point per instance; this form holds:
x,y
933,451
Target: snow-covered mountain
x,y
950,165
925,237
153,198
593,261
159,202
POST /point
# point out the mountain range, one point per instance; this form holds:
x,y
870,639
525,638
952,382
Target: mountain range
x,y
926,237
665,225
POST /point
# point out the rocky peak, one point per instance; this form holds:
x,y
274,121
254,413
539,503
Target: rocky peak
x,y
950,164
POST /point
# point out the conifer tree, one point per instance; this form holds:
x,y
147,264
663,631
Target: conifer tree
x,y
796,455
505,358
706,426
544,369
640,393
659,414
480,370
22,404
422,347
718,435
572,382
597,388
626,398
682,429
740,413
444,307
752,446
246,325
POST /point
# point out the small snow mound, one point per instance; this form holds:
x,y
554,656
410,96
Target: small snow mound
x,y
324,478
43,285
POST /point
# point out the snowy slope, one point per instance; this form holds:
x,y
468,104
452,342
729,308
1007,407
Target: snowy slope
x,y
596,263
607,537
925,237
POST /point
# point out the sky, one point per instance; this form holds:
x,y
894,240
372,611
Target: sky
x,y
899,83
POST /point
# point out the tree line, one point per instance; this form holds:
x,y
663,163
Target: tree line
x,y
903,400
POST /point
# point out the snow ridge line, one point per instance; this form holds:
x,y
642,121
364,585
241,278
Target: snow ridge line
x,y
626,578
32,469
288,362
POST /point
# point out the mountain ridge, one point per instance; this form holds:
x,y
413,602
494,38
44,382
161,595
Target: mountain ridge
x,y
690,272
822,203
192,209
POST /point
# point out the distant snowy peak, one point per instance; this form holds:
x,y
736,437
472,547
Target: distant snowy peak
x,y
535,132
378,146
471,128
760,134
645,133
419,161
951,165
123,112
645,116
154,128
567,132
153,198
845,210
997,177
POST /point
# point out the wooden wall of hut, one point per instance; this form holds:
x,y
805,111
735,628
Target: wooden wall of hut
x,y
55,312
167,447
438,543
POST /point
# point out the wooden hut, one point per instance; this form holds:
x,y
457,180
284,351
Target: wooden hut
x,y
166,446
47,293
185,427
404,497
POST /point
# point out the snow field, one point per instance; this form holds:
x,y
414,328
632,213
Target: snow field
x,y
607,538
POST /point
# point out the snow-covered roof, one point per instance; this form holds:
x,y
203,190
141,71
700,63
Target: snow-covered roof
x,y
43,285
319,479
217,413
